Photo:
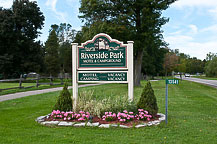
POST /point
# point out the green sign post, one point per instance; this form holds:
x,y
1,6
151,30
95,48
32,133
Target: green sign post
x,y
169,81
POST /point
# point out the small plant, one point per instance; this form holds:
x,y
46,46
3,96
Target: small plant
x,y
64,101
125,116
148,100
109,116
143,115
81,116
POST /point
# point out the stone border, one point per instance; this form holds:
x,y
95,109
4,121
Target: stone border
x,y
41,120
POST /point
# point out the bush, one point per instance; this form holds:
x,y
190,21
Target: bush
x,y
148,100
87,102
64,101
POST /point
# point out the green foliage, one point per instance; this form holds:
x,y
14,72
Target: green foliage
x,y
64,101
51,55
139,21
88,102
148,100
180,62
65,34
19,25
211,68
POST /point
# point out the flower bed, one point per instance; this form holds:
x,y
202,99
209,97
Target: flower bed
x,y
124,118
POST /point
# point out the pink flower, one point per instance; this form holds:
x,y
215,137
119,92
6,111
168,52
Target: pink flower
x,y
124,115
114,115
87,113
81,112
66,114
69,118
125,111
140,110
130,112
106,113
146,112
81,119
148,119
65,118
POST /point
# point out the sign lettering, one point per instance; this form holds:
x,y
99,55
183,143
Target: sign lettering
x,y
99,76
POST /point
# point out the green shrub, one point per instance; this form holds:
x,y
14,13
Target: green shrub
x,y
64,101
148,100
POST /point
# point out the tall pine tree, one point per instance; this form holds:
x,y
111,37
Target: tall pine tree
x,y
51,54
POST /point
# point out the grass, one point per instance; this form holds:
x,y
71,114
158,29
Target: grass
x,y
8,85
27,83
204,77
192,118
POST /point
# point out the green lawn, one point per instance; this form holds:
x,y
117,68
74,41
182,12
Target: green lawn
x,y
192,118
204,77
10,85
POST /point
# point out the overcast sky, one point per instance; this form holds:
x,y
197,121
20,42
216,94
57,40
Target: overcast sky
x,y
192,27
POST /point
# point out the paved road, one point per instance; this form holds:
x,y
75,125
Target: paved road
x,y
212,83
35,92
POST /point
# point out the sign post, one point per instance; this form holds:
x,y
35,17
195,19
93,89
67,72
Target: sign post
x,y
168,81
102,60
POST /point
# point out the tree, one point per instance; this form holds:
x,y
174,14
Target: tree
x,y
64,101
18,30
170,62
210,56
194,65
211,68
155,58
137,20
148,100
51,54
66,35
65,32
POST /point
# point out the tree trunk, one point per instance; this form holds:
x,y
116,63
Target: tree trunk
x,y
138,68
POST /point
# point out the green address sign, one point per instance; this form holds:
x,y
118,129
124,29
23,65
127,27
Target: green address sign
x,y
99,76
102,53
172,81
